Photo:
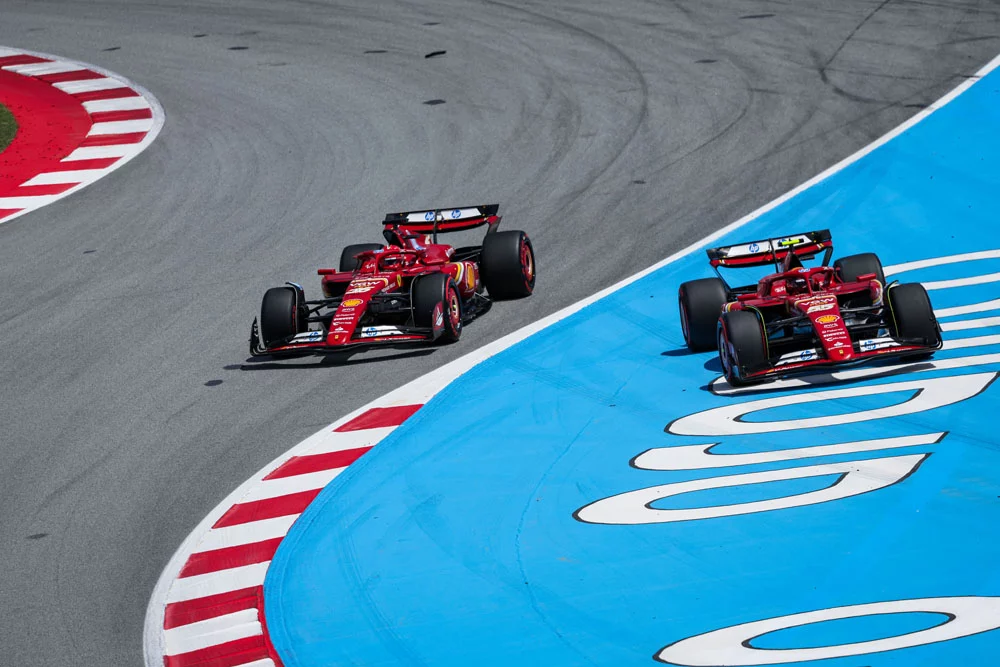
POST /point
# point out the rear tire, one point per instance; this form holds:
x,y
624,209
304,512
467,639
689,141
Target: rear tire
x,y
852,266
741,344
281,315
433,296
347,260
507,265
700,303
912,314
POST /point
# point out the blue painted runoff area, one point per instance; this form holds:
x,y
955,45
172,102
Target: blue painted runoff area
x,y
455,541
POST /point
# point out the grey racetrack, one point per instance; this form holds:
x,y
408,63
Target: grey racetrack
x,y
614,133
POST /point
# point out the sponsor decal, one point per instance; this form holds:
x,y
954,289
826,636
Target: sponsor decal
x,y
351,303
827,319
868,345
456,213
807,355
754,247
440,319
428,216
307,337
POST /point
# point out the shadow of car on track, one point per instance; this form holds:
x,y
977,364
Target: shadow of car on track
x,y
316,361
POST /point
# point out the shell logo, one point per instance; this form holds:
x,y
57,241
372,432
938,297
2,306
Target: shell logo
x,y
352,303
827,319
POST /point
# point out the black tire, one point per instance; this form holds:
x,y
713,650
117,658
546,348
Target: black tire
x,y
741,344
507,265
281,315
700,303
433,291
852,266
347,260
912,314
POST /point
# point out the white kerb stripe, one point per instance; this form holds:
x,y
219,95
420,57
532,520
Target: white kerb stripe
x,y
212,632
339,441
89,85
5,51
213,583
116,104
246,533
27,202
38,69
121,127
75,176
97,152
274,488
266,662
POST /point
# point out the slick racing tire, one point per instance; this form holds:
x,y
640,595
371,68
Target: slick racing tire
x,y
281,314
347,259
507,265
852,266
912,315
701,303
741,344
436,303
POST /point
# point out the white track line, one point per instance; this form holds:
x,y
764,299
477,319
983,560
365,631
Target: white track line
x,y
419,391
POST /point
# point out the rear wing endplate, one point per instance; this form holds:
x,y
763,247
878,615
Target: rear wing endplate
x,y
444,219
772,251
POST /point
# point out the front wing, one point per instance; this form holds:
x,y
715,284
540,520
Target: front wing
x,y
314,342
865,351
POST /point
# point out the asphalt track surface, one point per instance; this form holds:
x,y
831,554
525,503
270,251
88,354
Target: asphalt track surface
x,y
614,133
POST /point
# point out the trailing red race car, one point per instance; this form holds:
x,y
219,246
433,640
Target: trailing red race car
x,y
413,290
798,318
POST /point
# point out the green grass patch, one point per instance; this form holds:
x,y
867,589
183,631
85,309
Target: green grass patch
x,y
8,127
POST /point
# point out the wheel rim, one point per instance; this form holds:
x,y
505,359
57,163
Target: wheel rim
x,y
684,324
527,264
454,310
725,355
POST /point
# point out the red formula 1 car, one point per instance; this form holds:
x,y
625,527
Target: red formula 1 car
x,y
413,290
798,318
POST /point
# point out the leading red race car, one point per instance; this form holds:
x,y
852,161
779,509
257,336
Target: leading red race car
x,y
798,318
413,290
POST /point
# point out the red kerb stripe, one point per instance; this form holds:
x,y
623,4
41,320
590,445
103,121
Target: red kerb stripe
x,y
130,114
109,94
78,75
380,418
230,654
300,465
24,59
229,557
113,139
293,503
177,614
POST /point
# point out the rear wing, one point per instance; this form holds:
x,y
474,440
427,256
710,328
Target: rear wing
x,y
444,219
773,251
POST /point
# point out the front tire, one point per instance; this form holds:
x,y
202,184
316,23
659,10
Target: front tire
x,y
437,305
507,265
700,303
912,314
281,315
741,345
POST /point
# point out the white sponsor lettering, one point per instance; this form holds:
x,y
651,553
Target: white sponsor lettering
x,y
701,457
733,646
927,394
854,478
